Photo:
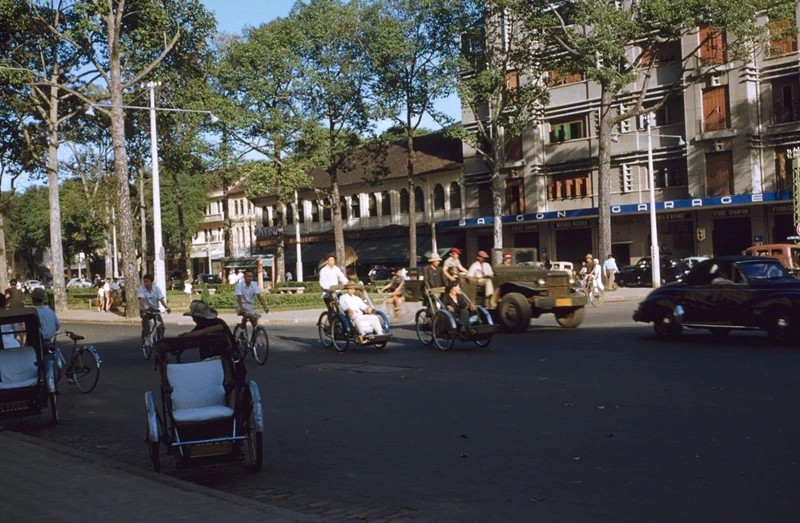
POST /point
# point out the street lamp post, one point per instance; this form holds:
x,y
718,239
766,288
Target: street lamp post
x,y
158,247
299,263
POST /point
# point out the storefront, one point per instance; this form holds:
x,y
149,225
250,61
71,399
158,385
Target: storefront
x,y
573,240
782,221
732,232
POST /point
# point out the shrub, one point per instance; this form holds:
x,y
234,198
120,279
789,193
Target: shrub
x,y
273,301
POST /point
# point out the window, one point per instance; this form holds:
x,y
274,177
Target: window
x,y
515,196
512,87
314,211
326,210
719,174
712,47
289,215
372,205
715,109
672,173
355,202
455,196
564,130
783,39
438,197
569,185
386,204
419,199
671,112
556,78
785,100
783,170
343,209
512,148
404,201
301,212
485,198
664,54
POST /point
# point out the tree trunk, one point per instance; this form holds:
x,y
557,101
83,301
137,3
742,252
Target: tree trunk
x,y
3,257
56,245
412,201
127,245
143,219
108,244
338,231
280,248
498,203
227,237
604,177
181,223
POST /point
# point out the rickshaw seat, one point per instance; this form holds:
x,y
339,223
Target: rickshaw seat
x,y
198,391
18,368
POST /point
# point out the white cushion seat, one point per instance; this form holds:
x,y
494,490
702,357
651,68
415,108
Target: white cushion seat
x,y
18,368
198,391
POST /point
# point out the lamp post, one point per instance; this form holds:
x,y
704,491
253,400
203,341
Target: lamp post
x,y
299,263
654,250
158,262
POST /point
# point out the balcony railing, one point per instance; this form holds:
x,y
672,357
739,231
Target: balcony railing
x,y
210,218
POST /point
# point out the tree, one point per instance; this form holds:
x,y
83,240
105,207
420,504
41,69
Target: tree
x,y
335,80
28,225
412,49
502,86
620,49
259,76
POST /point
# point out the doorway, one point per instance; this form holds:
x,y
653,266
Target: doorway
x,y
731,235
621,253
573,245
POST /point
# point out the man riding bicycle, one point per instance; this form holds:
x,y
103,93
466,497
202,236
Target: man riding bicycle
x,y
149,298
246,291
329,277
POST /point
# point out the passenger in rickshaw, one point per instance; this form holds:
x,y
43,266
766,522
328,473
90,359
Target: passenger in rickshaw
x,y
457,304
361,315
433,275
7,330
206,322
482,272
48,321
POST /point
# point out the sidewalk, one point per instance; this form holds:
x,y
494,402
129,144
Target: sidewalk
x,y
308,317
43,481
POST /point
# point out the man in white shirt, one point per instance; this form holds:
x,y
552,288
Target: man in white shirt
x,y
361,314
330,276
232,279
481,271
48,321
610,268
149,298
246,292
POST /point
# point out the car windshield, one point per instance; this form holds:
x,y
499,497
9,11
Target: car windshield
x,y
764,271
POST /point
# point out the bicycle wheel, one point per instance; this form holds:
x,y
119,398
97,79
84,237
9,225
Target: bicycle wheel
x,y
423,323
58,363
85,370
339,334
599,297
147,351
324,328
260,345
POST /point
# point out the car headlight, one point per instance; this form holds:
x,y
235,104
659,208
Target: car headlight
x,y
541,282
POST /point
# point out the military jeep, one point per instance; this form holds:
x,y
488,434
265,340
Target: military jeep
x,y
525,289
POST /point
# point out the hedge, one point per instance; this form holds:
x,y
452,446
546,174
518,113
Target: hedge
x,y
273,301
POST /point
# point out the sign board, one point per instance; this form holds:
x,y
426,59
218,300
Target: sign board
x,y
673,216
525,227
572,224
701,234
781,208
727,213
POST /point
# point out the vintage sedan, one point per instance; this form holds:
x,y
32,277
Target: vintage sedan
x,y
642,272
726,293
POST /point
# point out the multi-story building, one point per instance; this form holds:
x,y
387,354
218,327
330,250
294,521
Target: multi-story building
x,y
375,206
721,188
208,242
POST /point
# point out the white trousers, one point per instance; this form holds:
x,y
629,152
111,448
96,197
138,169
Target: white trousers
x,y
368,324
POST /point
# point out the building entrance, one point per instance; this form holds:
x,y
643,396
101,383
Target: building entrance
x,y
731,235
573,245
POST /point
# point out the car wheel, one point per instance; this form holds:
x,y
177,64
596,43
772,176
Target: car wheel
x,y
666,327
569,318
514,312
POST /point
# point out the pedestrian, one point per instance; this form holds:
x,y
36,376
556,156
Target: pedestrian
x,y
115,291
14,296
187,290
611,270
396,287
232,279
107,292
100,301
288,275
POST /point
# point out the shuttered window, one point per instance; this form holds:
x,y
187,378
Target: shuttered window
x,y
715,109
515,196
712,47
719,174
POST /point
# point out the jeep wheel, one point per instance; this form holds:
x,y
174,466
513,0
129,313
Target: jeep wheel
x,y
570,318
514,312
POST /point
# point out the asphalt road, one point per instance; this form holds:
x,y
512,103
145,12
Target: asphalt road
x,y
602,423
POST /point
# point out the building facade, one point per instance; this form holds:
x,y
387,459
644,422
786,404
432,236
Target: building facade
x,y
375,207
721,174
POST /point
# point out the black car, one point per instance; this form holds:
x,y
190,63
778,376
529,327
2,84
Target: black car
x,y
725,293
642,272
207,278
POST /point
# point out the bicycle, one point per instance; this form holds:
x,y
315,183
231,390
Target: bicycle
x,y
594,293
256,342
157,329
83,368
387,306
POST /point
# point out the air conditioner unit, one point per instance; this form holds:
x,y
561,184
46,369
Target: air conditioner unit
x,y
719,145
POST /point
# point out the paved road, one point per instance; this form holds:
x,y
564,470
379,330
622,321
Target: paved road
x,y
602,423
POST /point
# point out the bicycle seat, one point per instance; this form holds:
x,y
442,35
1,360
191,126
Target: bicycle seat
x,y
75,337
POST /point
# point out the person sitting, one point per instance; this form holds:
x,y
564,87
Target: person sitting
x,y
206,322
457,304
507,258
362,315
396,288
433,275
48,321
481,271
452,266
721,278
9,340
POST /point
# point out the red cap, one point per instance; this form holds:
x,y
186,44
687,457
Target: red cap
x,y
506,255
483,254
456,250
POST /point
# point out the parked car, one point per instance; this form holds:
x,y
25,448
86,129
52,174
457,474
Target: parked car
x,y
788,254
33,284
756,293
380,274
561,266
207,278
693,260
642,272
79,283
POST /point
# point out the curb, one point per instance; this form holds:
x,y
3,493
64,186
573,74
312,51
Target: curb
x,y
122,321
267,509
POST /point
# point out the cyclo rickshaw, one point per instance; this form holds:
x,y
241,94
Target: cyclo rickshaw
x,y
27,376
437,325
335,327
209,412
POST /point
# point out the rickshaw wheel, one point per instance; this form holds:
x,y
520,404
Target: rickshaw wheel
x,y
339,334
54,408
483,343
423,324
255,444
380,345
324,328
443,336
155,458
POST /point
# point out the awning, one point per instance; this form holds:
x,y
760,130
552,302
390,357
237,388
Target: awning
x,y
251,262
395,250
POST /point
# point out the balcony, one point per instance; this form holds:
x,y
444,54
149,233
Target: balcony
x,y
201,250
570,150
213,218
786,111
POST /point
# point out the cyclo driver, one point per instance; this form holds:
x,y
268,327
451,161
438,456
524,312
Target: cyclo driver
x,y
149,298
330,276
246,291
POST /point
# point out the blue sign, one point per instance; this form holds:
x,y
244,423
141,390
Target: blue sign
x,y
695,203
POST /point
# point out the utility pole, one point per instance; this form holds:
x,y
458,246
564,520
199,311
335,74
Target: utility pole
x,y
143,217
158,247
